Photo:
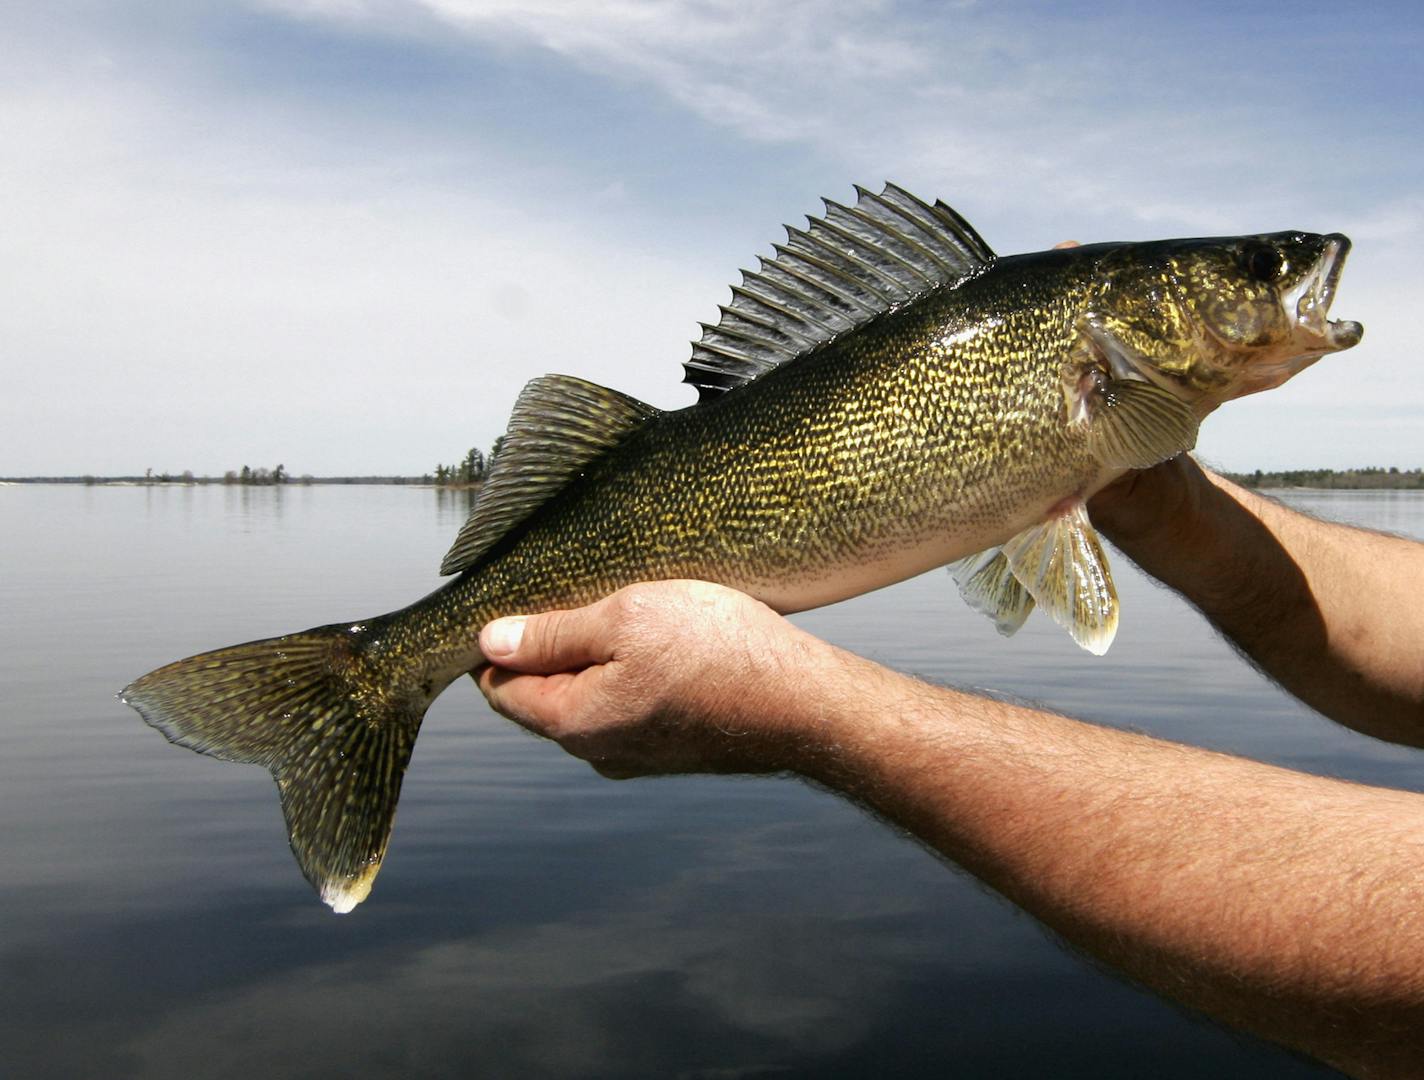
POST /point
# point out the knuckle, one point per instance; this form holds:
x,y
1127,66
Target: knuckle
x,y
552,637
631,604
545,632
635,621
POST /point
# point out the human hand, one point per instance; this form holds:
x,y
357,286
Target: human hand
x,y
662,677
1163,503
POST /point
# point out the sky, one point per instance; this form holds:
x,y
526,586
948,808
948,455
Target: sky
x,y
340,235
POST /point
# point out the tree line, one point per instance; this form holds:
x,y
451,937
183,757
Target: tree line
x,y
246,475
468,473
475,467
259,475
1373,477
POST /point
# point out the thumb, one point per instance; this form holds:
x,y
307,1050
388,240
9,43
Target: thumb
x,y
551,642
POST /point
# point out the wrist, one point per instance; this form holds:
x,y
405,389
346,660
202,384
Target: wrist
x,y
1185,527
1156,510
862,726
813,705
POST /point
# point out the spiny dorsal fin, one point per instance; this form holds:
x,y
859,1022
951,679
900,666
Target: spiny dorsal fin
x,y
559,424
840,272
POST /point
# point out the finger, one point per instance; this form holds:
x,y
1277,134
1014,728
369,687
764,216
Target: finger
x,y
548,705
1067,244
553,641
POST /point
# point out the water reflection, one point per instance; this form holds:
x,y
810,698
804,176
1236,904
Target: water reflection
x,y
452,506
533,919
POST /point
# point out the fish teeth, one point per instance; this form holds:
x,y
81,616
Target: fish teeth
x,y
1310,300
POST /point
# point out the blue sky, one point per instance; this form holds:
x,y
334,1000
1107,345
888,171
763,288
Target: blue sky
x,y
341,234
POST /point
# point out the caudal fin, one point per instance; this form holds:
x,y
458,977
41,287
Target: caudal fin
x,y
319,712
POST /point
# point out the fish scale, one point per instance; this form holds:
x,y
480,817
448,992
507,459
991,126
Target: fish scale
x,y
882,397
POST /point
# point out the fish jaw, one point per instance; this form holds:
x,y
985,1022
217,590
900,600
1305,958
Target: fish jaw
x,y
1309,302
1313,333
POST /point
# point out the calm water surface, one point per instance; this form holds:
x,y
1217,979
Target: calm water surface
x,y
533,919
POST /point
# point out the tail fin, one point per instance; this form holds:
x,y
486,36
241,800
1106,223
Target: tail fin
x,y
318,711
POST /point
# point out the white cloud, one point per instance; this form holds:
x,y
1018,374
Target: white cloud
x,y
1027,118
748,67
1033,117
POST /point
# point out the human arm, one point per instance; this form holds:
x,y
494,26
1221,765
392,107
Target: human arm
x,y
1286,904
1330,612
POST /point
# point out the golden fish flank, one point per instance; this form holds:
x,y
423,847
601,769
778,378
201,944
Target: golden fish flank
x,y
883,395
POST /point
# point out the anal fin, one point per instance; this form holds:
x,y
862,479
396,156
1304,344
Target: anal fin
x,y
988,585
1062,565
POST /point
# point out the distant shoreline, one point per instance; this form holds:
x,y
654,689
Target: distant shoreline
x,y
218,481
1367,479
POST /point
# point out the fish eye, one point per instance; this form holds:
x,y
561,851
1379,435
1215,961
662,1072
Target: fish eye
x,y
1264,263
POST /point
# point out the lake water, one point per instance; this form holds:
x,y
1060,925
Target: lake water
x,y
533,919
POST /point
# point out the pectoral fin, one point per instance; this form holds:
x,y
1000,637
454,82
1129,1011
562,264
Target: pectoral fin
x,y
1062,566
1132,423
988,585
1138,424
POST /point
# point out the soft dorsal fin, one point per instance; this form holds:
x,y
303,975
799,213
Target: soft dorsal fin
x,y
840,272
559,424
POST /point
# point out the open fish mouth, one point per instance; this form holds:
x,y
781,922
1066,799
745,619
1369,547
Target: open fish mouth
x,y
1310,300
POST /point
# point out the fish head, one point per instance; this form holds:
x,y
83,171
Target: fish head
x,y
1216,319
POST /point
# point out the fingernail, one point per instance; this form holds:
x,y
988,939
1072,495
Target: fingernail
x,y
502,637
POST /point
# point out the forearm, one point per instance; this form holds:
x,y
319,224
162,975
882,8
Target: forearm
x,y
1287,904
1328,611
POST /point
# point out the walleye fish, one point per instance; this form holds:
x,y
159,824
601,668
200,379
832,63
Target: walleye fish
x,y
881,397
